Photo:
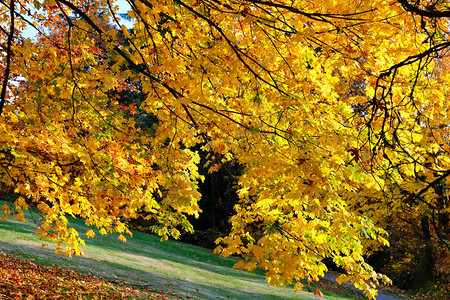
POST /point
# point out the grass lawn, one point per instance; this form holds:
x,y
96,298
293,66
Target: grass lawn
x,y
177,269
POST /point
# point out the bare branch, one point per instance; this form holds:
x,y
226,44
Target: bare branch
x,y
8,58
424,13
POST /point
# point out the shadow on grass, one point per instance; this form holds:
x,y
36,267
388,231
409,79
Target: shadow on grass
x,y
177,253
146,261
138,276
150,246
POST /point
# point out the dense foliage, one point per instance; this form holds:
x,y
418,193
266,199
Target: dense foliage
x,y
336,111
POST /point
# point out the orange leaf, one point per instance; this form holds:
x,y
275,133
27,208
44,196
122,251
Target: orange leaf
x,y
318,293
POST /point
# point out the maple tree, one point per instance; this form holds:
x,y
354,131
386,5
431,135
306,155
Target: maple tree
x,y
318,100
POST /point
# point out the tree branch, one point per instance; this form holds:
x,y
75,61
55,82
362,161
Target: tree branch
x,y
424,13
8,58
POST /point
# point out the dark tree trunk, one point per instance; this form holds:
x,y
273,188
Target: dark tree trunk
x,y
427,261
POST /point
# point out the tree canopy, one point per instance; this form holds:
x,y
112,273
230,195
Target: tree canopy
x,y
324,103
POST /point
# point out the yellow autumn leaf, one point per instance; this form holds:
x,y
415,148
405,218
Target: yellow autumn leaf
x,y
273,94
342,278
59,251
239,265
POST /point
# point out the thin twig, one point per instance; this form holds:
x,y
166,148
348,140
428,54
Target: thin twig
x,y
8,58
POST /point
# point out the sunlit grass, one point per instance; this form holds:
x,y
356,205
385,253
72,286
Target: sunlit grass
x,y
144,261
